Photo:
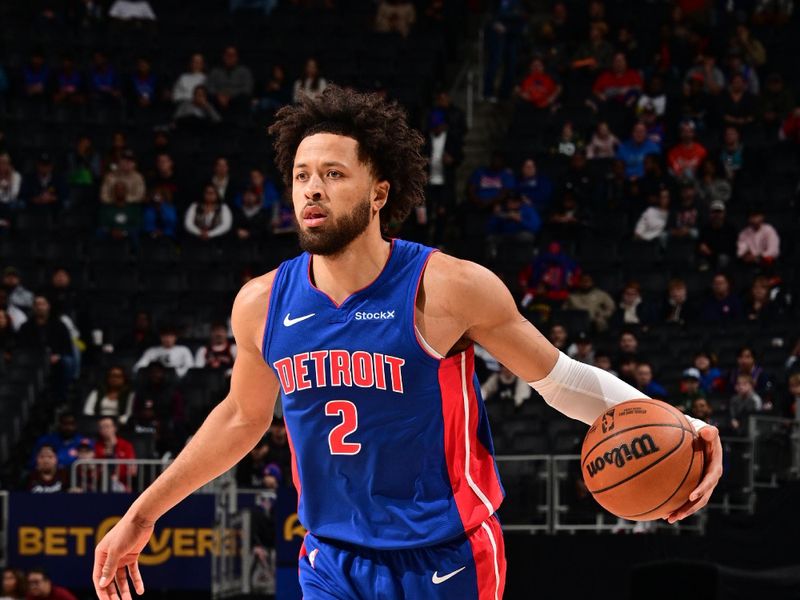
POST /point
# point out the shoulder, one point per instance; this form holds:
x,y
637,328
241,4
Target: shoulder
x,y
249,314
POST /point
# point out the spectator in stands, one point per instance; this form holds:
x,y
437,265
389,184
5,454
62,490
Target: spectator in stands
x,y
48,476
160,217
40,586
132,10
504,386
64,439
219,353
120,220
14,583
582,348
10,182
558,336
198,112
48,334
550,276
103,81
604,143
115,398
653,96
220,178
43,190
210,218
711,379
183,90
538,88
760,307
633,151
723,305
395,16
18,295
746,365
678,309
776,103
84,165
312,83
707,73
535,187
619,85
68,83
35,77
230,85
144,90
743,403
689,390
128,174
632,308
685,158
515,220
646,384
8,337
712,185
110,445
759,242
168,353
595,301
489,186
685,221
737,107
251,221
652,224
717,241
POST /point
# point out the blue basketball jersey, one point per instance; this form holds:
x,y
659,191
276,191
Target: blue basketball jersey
x,y
390,444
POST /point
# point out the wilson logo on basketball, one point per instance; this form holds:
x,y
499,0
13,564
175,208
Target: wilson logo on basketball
x,y
641,446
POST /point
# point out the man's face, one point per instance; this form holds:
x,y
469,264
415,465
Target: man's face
x,y
41,307
38,586
46,460
720,286
335,196
644,375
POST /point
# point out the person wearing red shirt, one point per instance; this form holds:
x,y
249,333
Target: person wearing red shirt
x,y
619,84
109,445
538,87
684,159
40,587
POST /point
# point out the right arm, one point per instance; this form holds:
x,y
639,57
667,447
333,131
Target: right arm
x,y
228,433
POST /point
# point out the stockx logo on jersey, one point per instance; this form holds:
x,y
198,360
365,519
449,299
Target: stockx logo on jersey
x,y
338,368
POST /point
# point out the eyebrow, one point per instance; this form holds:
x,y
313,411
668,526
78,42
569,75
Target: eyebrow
x,y
330,163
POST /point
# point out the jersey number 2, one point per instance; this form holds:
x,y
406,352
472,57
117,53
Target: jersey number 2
x,y
347,411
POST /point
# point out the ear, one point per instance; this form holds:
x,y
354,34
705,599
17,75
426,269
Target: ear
x,y
381,191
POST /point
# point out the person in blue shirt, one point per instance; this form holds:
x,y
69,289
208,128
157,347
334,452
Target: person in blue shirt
x,y
535,187
489,186
633,151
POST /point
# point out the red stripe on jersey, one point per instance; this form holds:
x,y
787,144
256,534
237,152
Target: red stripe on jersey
x,y
488,552
476,491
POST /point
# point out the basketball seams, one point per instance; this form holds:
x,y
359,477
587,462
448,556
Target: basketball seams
x,y
646,468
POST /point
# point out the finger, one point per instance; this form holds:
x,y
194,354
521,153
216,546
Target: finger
x,y
136,577
121,579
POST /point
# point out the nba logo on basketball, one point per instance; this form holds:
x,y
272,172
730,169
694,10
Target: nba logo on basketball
x,y
608,421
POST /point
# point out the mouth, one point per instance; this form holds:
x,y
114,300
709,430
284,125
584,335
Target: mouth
x,y
313,216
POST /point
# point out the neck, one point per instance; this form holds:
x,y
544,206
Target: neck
x,y
358,265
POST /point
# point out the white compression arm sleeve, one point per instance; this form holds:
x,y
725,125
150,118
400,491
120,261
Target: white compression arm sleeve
x,y
584,392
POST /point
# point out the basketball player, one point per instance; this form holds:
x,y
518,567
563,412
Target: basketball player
x,y
369,341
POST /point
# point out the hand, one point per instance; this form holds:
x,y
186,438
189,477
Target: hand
x,y
712,452
116,557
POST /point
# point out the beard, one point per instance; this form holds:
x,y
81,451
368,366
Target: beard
x,y
333,238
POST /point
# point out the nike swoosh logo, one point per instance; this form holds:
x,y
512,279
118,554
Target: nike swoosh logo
x,y
436,579
288,321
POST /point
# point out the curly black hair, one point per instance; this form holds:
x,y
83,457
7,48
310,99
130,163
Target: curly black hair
x,y
386,143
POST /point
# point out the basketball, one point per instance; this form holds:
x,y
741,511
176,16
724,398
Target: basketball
x,y
641,459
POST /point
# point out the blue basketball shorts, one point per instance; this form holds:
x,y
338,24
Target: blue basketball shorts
x,y
469,568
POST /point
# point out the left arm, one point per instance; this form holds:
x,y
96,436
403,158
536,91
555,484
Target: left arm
x,y
484,307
